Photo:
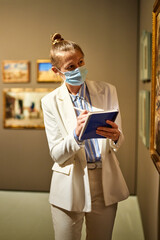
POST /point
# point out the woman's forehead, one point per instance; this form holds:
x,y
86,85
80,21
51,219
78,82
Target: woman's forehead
x,y
69,56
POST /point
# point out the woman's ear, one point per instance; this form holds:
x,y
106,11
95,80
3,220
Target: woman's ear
x,y
54,69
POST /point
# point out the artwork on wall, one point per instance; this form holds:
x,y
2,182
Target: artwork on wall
x,y
22,107
145,56
144,116
155,98
45,73
15,71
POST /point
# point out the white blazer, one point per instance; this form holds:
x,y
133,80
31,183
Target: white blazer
x,y
70,186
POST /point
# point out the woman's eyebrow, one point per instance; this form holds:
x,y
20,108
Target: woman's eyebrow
x,y
69,63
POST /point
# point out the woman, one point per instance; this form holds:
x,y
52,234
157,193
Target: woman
x,y
87,181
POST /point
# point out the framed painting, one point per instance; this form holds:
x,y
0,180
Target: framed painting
x,y
155,94
144,117
45,73
22,107
145,56
15,71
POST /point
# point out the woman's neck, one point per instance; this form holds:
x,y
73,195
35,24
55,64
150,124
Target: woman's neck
x,y
73,89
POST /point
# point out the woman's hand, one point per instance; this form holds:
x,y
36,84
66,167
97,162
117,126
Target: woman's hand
x,y
111,133
80,121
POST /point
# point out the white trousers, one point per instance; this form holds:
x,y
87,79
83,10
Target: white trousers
x,y
99,222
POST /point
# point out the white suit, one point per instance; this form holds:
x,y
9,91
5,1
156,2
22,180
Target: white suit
x,y
70,186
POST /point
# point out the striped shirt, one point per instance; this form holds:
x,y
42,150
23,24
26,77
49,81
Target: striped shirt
x,y
82,100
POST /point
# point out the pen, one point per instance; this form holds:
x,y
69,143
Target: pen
x,y
79,109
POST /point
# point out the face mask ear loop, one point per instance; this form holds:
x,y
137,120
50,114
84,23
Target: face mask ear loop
x,y
60,72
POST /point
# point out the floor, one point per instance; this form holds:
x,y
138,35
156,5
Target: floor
x,y
26,215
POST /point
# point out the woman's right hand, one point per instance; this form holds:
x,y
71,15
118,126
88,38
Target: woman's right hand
x,y
80,122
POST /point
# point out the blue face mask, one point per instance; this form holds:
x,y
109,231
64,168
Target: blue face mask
x,y
76,77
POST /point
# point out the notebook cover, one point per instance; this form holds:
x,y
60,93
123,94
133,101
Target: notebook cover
x,y
96,120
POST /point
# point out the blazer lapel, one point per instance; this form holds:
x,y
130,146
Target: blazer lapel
x,y
97,99
66,109
97,96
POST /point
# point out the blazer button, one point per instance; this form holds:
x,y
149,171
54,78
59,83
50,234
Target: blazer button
x,y
109,151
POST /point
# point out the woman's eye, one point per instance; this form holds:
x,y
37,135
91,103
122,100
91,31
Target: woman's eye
x,y
71,67
81,62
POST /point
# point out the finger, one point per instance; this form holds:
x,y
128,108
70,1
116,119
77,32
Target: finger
x,y
113,136
104,134
105,129
111,133
113,124
101,133
82,116
83,112
81,119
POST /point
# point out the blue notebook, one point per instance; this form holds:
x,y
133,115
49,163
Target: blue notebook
x,y
95,120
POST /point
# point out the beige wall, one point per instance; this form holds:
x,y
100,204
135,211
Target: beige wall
x,y
107,32
147,177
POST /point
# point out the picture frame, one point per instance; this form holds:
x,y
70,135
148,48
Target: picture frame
x,y
155,88
15,71
145,56
22,107
144,117
45,73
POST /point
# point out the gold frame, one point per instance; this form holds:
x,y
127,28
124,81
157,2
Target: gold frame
x,y
21,110
14,75
47,75
155,90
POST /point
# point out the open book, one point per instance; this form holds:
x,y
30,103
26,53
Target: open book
x,y
95,120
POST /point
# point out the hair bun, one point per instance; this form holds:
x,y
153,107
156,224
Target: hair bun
x,y
56,38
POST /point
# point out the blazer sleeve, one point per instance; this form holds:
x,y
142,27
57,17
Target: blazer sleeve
x,y
62,148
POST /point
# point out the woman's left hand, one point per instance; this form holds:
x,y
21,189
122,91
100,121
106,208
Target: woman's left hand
x,y
111,133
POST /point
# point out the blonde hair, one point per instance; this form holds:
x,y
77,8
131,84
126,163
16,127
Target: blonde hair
x,y
59,44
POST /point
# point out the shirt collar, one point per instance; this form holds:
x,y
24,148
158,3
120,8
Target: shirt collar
x,y
81,94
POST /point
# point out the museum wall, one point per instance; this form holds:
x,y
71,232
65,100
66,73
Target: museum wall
x,y
147,176
107,32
